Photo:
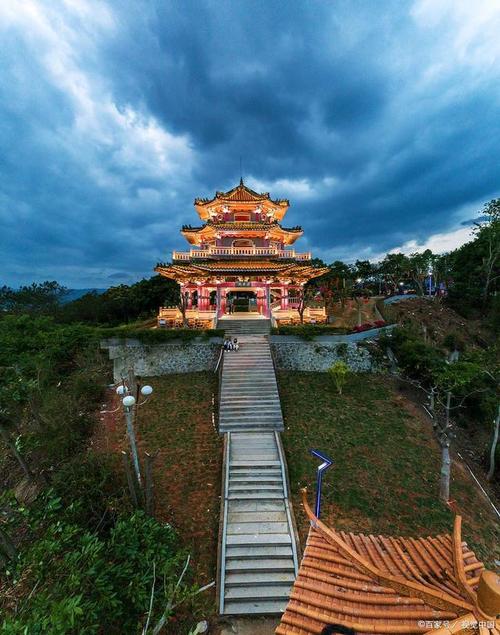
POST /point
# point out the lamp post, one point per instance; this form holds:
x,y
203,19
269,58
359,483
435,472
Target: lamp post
x,y
129,404
327,462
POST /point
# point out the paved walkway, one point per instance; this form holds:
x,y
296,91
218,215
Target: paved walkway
x,y
258,559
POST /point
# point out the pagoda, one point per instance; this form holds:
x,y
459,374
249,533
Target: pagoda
x,y
241,259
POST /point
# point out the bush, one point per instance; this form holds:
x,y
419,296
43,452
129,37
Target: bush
x,y
159,336
86,584
417,359
453,342
309,331
90,490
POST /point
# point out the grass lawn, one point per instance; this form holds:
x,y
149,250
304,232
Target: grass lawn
x,y
385,477
177,424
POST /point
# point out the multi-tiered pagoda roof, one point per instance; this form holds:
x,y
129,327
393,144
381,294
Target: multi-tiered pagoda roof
x,y
242,232
241,243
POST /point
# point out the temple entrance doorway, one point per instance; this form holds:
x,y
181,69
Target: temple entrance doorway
x,y
241,302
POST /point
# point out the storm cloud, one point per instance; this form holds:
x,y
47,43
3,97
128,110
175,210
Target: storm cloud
x,y
378,120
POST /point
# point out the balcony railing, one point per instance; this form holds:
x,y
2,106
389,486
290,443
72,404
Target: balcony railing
x,y
216,252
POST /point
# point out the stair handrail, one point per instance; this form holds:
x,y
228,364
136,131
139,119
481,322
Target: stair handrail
x,y
222,560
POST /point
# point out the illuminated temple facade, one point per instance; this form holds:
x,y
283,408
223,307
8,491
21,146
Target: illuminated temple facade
x,y
241,258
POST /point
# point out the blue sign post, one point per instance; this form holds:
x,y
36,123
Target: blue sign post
x,y
327,462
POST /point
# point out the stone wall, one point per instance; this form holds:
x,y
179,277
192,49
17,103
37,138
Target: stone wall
x,y
150,360
318,357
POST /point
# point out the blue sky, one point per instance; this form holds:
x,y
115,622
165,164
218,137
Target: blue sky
x,y
379,120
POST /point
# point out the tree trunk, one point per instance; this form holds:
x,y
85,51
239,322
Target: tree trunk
x,y
301,308
129,418
8,442
432,401
7,546
130,480
444,485
491,471
448,406
148,484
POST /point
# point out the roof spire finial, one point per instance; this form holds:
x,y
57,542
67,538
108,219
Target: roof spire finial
x,y
241,171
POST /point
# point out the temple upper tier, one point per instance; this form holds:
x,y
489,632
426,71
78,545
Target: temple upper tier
x,y
240,243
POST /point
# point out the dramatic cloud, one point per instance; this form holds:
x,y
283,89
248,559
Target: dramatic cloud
x,y
379,120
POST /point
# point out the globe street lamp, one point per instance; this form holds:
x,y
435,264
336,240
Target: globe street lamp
x,y
129,406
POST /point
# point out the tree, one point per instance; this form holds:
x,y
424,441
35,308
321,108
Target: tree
x,y
489,234
394,269
339,373
453,378
420,266
364,269
40,298
122,303
493,449
359,296
305,295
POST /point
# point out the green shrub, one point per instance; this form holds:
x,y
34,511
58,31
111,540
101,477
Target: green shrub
x,y
90,489
159,336
453,342
309,331
86,584
341,350
417,359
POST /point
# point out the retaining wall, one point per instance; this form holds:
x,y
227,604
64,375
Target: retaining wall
x,y
150,360
317,356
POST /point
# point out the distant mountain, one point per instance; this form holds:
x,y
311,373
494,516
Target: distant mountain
x,y
75,294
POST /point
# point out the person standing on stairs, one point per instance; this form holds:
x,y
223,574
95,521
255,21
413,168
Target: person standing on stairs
x,y
235,345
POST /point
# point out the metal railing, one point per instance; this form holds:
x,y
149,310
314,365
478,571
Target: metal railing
x,y
210,252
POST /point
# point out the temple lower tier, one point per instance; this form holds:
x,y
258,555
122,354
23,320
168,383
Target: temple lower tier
x,y
241,296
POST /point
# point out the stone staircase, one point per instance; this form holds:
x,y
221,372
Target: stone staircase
x,y
233,327
249,398
258,560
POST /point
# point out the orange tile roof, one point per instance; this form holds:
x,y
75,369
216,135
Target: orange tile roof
x,y
378,584
244,265
240,193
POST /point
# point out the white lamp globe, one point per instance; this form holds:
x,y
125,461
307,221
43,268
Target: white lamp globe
x,y
146,390
121,390
128,401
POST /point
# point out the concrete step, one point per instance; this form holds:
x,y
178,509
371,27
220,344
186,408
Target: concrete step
x,y
242,400
254,453
258,528
262,592
262,473
249,578
258,552
255,496
256,487
254,446
257,416
270,565
264,483
250,427
255,464
262,607
256,517
255,442
256,506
